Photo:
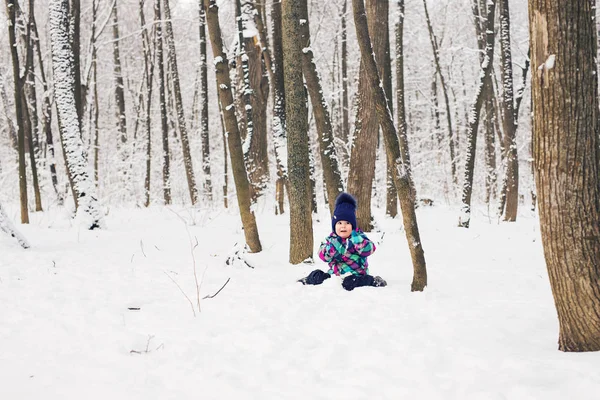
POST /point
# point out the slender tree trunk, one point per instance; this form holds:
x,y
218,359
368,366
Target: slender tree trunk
x,y
164,124
344,64
510,136
118,76
234,139
483,85
185,143
12,131
64,88
279,125
148,75
47,115
11,6
75,42
393,149
204,133
30,108
301,230
567,162
329,160
436,58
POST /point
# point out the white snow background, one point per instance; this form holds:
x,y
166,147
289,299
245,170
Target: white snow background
x,y
484,328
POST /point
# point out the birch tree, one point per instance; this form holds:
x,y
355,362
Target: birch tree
x,y
567,162
88,212
204,134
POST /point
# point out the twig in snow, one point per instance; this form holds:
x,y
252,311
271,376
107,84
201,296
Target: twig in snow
x,y
142,247
218,291
181,290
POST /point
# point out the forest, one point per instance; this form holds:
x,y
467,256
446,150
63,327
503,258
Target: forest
x,y
275,107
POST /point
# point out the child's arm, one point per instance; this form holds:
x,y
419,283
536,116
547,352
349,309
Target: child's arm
x,y
363,246
327,251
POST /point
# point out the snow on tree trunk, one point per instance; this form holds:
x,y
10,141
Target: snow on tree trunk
x,y
7,227
88,212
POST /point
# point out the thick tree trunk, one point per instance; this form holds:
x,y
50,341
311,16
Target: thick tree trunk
x,y
64,89
329,160
185,143
234,140
407,203
301,229
11,6
364,144
567,162
483,85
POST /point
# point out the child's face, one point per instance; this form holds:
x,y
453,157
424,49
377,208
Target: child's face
x,y
343,229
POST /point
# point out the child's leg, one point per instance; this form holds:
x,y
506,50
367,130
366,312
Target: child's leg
x,y
315,278
354,281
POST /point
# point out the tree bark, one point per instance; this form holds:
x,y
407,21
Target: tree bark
x,y
185,143
119,85
301,229
279,129
164,124
393,149
329,160
11,6
567,163
511,176
64,88
204,133
471,134
234,139
7,227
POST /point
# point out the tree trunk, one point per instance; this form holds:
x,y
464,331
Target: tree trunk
x,y
75,42
329,160
164,124
47,115
393,149
509,126
185,144
204,133
234,139
471,134
11,6
436,58
64,89
279,129
364,143
148,75
567,163
301,230
7,227
344,63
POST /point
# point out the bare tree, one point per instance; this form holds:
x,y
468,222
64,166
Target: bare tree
x,y
483,85
166,166
301,230
204,134
325,139
567,162
392,149
118,76
64,87
234,139
181,122
11,6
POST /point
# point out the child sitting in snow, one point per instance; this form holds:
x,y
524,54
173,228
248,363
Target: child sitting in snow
x,y
345,250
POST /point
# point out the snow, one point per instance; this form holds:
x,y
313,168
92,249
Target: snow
x,y
101,313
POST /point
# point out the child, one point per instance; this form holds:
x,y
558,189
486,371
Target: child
x,y
345,249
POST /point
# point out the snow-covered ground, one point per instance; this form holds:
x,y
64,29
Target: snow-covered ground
x,y
484,328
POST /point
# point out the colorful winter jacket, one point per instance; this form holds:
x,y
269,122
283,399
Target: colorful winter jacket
x,y
347,255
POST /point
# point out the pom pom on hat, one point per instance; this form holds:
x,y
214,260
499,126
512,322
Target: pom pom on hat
x,y
345,210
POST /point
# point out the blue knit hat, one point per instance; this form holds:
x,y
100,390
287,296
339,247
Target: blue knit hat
x,y
345,210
